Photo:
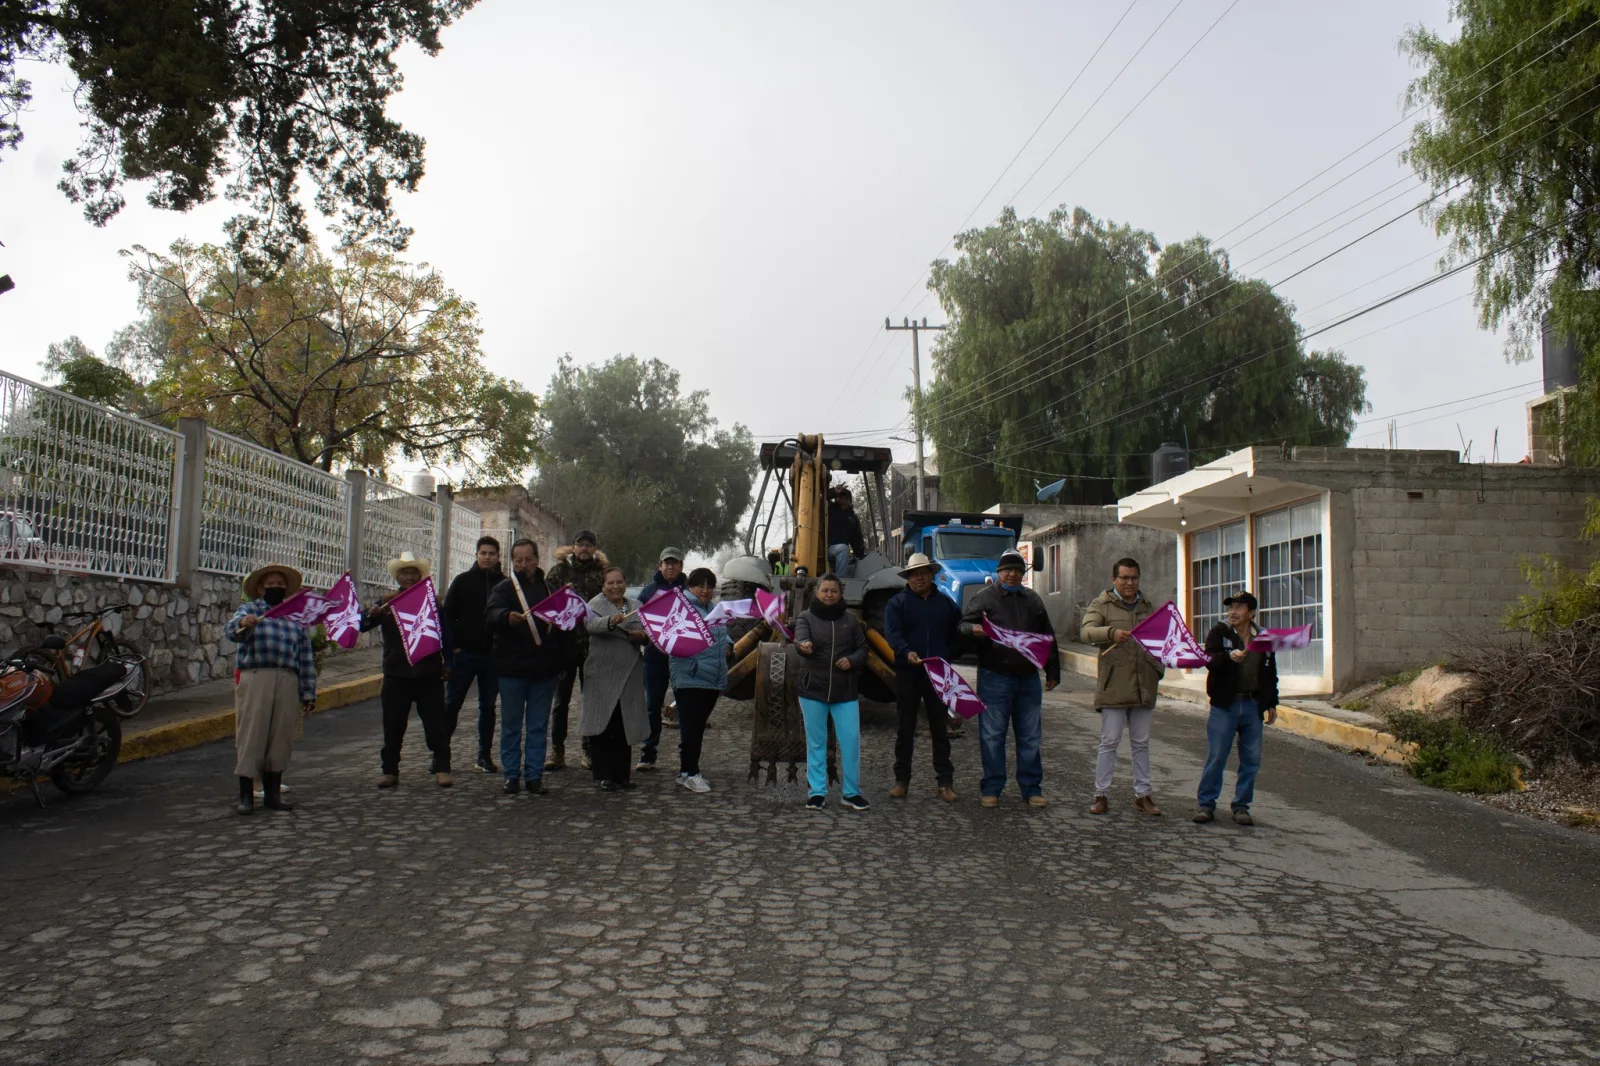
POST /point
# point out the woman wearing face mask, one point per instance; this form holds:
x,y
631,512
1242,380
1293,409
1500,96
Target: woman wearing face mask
x,y
697,681
834,651
277,683
613,719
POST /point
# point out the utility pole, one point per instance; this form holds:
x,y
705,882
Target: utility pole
x,y
916,385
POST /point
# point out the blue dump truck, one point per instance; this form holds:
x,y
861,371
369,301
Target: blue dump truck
x,y
967,545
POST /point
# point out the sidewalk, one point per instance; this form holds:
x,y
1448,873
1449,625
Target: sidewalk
x,y
1317,719
202,713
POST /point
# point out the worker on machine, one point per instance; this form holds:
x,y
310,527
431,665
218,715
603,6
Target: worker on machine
x,y
844,531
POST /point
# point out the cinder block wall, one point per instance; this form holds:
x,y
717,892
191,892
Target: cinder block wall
x,y
1087,553
1430,563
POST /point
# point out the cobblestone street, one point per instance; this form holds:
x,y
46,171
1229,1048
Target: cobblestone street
x,y
1363,920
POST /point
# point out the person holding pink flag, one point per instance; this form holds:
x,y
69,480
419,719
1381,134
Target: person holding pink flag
x,y
1008,677
275,683
1125,691
408,684
1242,688
697,681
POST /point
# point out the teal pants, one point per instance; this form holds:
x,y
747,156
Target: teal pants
x,y
847,727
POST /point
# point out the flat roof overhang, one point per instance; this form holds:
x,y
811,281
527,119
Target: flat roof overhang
x,y
1221,491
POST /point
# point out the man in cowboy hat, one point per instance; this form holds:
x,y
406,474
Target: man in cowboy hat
x,y
921,622
277,683
583,567
406,683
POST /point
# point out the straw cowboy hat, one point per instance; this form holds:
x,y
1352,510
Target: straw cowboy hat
x,y
252,584
407,559
919,561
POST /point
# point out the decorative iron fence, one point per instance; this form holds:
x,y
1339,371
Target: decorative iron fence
x,y
260,507
395,521
84,488
466,526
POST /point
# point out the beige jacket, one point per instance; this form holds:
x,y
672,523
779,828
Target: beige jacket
x,y
1128,675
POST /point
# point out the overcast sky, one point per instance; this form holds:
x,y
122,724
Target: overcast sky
x,y
745,191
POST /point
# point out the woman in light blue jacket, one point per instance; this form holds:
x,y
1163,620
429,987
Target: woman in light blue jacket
x,y
697,681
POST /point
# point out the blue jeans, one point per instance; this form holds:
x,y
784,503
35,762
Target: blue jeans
x,y
839,555
524,702
657,678
465,666
1243,719
1017,703
847,727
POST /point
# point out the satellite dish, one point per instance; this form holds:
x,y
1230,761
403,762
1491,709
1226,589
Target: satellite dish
x,y
1051,491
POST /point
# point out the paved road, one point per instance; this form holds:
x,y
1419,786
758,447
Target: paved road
x,y
1364,920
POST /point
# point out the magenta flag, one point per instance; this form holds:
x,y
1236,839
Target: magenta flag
x,y
563,608
1279,639
953,688
771,607
1165,636
726,610
305,607
416,612
343,619
675,626
1034,647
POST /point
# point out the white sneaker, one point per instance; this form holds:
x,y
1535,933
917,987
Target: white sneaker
x,y
695,783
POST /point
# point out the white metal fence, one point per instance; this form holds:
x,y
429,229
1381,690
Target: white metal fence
x,y
466,526
395,521
260,507
85,488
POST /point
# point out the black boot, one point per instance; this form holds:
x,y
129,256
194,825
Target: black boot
x,y
273,801
247,797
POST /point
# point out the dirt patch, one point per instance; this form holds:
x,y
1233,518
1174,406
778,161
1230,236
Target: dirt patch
x,y
1564,792
1433,690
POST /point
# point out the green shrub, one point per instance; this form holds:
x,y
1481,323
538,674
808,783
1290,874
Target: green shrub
x,y
1562,595
1452,757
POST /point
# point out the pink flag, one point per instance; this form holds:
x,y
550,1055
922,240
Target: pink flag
x,y
953,688
1279,639
1034,647
343,620
305,607
675,626
416,612
771,607
563,608
726,610
1165,636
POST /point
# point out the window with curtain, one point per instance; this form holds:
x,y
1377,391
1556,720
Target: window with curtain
x,y
1289,580
1216,571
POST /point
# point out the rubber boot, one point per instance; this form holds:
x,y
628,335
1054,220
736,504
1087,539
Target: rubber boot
x,y
247,796
271,784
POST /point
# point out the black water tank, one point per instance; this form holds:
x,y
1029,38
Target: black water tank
x,y
1560,360
1168,461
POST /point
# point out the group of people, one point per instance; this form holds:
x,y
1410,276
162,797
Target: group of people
x,y
532,669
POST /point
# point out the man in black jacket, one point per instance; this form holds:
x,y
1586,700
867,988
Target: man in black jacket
x,y
583,568
844,532
464,607
657,676
528,669
1242,687
921,622
406,683
1008,683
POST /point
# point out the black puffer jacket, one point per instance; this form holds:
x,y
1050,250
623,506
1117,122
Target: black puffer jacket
x,y
1222,673
464,607
515,654
835,638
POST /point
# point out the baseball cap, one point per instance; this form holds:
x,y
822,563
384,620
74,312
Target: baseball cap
x,y
1244,599
675,554
586,534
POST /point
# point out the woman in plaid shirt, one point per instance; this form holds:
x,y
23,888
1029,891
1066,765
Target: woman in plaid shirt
x,y
277,683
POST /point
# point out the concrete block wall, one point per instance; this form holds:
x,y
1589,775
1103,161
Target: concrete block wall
x,y
1087,552
1429,565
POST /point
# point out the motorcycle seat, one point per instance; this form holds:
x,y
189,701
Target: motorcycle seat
x,y
80,689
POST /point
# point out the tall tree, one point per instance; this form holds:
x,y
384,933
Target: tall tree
x,y
1513,152
629,455
251,92
84,374
1076,347
349,360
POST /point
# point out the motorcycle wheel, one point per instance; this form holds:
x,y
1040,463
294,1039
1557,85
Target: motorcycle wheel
x,y
83,773
138,693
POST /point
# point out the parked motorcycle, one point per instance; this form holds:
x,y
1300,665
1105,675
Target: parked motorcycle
x,y
69,730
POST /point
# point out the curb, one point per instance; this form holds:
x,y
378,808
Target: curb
x,y
1291,719
192,732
